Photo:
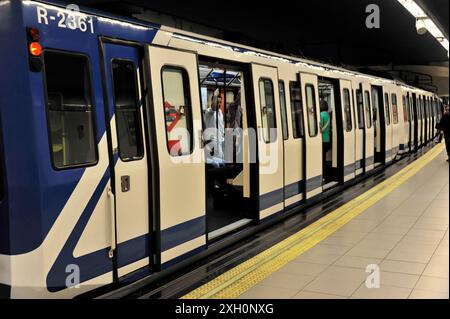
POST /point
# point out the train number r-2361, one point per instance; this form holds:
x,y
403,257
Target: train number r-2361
x,y
71,20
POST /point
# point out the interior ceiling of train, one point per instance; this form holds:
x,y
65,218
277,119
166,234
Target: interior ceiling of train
x,y
327,30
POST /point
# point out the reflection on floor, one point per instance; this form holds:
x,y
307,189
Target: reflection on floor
x,y
406,234
229,228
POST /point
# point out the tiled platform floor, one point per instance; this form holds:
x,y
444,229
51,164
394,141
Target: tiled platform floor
x,y
405,234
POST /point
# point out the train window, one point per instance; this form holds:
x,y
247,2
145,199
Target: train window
x,y
436,112
432,110
408,109
430,114
438,109
394,108
435,109
296,109
418,109
177,110
424,114
347,111
387,109
284,123
70,110
311,107
412,116
431,107
267,100
368,108
425,109
421,109
128,124
360,109
405,110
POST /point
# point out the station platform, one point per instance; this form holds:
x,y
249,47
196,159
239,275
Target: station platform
x,y
391,241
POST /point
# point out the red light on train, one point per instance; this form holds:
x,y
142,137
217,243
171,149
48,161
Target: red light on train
x,y
34,34
35,49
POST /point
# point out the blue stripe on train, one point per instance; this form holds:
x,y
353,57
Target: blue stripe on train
x,y
98,263
182,233
90,265
276,197
294,189
314,183
270,199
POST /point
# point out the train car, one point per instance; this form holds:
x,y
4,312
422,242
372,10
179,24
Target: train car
x,y
130,149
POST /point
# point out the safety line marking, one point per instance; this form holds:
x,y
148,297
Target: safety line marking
x,y
241,278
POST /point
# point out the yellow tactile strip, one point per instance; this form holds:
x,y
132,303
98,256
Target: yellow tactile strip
x,y
236,281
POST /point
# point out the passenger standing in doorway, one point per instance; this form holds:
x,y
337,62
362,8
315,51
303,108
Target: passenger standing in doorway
x,y
233,136
215,131
326,128
235,112
445,128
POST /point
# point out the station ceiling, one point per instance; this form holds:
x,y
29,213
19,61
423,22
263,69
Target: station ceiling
x,y
328,30
333,31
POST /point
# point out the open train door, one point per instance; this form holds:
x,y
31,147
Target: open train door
x,y
348,130
370,131
176,107
313,137
270,140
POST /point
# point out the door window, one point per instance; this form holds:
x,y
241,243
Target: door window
x,y
177,110
126,102
266,98
311,109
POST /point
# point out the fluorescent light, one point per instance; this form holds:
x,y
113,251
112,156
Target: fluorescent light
x,y
423,20
413,8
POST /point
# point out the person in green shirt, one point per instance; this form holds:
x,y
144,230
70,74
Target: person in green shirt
x,y
325,124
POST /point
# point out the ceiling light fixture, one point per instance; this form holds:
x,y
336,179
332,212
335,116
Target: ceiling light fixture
x,y
424,23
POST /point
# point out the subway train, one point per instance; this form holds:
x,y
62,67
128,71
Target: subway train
x,y
129,150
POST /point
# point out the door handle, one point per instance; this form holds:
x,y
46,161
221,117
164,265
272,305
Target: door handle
x,y
113,223
125,183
